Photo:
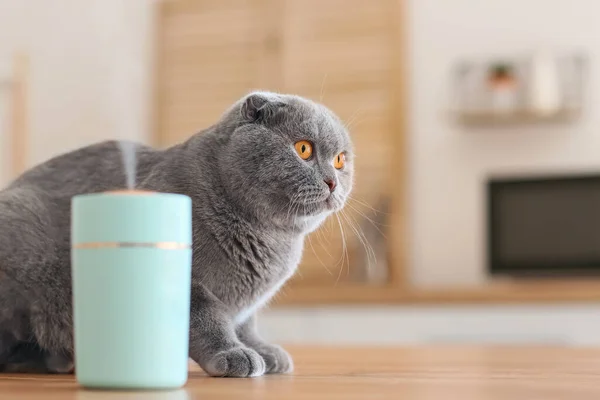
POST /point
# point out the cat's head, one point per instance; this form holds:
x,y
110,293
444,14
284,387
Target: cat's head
x,y
289,157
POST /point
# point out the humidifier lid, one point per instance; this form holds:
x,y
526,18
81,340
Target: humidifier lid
x,y
131,217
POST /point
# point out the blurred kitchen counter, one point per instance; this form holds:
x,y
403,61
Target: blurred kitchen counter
x,y
501,291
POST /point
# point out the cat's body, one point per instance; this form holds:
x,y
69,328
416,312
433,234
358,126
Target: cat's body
x,y
254,200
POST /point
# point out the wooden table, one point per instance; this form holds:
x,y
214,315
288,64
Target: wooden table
x,y
481,373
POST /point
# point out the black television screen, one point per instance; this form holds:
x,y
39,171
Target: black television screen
x,y
544,225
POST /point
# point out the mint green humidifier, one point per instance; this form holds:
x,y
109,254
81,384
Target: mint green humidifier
x,y
131,268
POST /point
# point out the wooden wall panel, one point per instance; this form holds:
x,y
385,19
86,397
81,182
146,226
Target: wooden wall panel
x,y
341,52
210,54
343,55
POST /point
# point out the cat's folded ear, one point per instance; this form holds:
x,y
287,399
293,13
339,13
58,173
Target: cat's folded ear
x,y
261,106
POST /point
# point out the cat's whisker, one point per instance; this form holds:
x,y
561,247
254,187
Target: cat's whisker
x,y
356,121
292,204
330,226
367,205
297,271
366,241
315,253
362,214
344,251
352,118
375,224
371,256
367,245
321,234
289,208
295,212
322,88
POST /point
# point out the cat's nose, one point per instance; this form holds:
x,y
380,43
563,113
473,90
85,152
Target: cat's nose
x,y
331,184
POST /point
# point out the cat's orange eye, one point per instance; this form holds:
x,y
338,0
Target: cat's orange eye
x,y
304,149
339,161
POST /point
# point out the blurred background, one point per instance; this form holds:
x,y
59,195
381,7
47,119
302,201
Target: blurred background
x,y
476,214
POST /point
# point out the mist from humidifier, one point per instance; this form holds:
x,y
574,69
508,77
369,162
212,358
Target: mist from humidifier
x,y
129,160
126,86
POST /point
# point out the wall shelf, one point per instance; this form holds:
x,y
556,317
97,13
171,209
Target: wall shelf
x,y
518,117
542,87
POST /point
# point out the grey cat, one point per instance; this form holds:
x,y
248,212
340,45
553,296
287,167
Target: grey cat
x,y
262,178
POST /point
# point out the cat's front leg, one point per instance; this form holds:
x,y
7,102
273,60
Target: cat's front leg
x,y
277,360
214,344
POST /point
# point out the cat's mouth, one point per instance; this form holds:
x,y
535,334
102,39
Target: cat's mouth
x,y
333,203
330,203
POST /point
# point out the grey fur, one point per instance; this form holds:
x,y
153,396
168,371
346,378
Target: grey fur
x,y
254,200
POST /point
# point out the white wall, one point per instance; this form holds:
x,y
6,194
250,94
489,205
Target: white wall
x,y
89,69
448,165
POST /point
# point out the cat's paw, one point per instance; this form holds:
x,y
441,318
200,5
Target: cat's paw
x,y
238,362
60,363
277,360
